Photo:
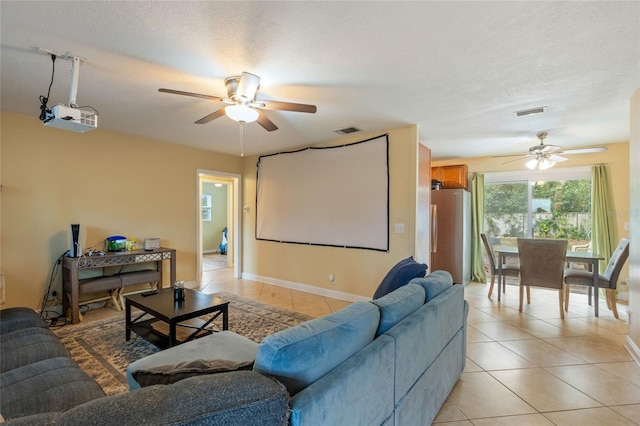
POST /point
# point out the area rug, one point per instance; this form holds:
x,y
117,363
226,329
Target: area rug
x,y
101,351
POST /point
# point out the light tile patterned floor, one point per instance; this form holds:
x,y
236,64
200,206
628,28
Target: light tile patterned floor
x,y
532,368
529,368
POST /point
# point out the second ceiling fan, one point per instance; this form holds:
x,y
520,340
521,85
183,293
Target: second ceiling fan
x,y
242,105
542,157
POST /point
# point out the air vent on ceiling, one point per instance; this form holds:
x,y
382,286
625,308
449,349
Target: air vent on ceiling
x,y
347,130
524,112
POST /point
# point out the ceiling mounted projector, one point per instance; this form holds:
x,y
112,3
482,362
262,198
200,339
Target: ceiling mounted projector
x,y
68,117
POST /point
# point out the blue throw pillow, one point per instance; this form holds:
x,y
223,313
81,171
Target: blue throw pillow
x,y
402,272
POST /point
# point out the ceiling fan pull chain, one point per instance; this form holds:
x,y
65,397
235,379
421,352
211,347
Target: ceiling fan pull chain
x,y
241,138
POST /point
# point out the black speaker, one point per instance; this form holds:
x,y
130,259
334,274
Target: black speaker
x,y
75,249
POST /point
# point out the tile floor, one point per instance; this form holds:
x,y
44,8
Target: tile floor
x,y
529,368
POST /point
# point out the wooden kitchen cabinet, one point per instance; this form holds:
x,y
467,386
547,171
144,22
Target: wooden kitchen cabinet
x,y
452,177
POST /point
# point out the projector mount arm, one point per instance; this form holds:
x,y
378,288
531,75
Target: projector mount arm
x,y
75,72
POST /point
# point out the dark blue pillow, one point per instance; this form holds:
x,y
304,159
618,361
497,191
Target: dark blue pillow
x,y
402,272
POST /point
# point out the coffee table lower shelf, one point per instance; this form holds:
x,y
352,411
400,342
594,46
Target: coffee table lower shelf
x,y
156,331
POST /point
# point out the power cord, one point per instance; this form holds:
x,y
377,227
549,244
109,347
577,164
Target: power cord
x,y
44,110
47,316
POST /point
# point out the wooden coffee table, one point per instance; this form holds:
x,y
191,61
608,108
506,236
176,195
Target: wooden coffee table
x,y
174,322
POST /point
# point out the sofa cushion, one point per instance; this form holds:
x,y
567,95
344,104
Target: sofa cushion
x,y
398,304
54,384
421,336
235,398
12,319
172,373
401,273
302,354
29,345
224,345
434,283
359,391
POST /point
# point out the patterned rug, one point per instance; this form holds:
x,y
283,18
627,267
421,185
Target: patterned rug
x,y
101,351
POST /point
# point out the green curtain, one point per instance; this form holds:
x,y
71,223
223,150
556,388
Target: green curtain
x,y
478,273
603,226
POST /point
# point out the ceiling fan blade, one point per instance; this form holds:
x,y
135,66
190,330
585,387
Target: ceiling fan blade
x,y
524,157
265,122
549,148
556,158
583,150
510,155
204,120
195,95
286,106
248,86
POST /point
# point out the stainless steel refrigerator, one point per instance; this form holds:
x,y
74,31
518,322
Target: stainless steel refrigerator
x,y
451,233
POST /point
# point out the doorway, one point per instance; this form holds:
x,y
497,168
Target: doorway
x,y
218,222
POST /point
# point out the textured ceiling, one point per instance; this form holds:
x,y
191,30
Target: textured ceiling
x,y
456,69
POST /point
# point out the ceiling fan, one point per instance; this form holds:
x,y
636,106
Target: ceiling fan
x,y
542,157
242,105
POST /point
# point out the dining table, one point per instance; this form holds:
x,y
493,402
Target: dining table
x,y
587,257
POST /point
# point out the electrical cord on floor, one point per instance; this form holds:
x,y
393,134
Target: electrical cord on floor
x,y
51,317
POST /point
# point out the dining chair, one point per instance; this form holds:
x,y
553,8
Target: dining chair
x,y
608,280
507,270
542,265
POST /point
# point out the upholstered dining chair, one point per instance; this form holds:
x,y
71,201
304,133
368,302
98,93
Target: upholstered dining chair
x,y
608,280
542,265
507,270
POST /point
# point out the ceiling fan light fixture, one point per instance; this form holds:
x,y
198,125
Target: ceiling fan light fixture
x,y
532,164
545,164
540,164
241,113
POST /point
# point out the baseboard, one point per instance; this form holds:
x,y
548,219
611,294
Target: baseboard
x,y
306,288
633,350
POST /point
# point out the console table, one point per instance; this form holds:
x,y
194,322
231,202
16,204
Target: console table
x,y
71,267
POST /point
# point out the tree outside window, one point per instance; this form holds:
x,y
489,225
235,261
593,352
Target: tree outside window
x,y
550,209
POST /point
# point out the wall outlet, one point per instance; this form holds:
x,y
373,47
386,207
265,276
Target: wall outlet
x,y
332,279
399,228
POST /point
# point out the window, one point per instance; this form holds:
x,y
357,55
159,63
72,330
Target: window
x,y
553,204
206,208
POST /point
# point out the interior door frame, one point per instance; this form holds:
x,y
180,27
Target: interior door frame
x,y
234,193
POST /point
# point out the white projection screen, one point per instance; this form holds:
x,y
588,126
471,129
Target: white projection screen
x,y
334,196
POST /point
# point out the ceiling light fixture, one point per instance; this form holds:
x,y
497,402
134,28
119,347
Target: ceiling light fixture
x,y
540,163
241,113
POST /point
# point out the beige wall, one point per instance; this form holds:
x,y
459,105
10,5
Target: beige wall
x,y
616,157
357,272
634,252
110,183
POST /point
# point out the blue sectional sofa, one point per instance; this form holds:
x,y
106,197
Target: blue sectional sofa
x,y
391,361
